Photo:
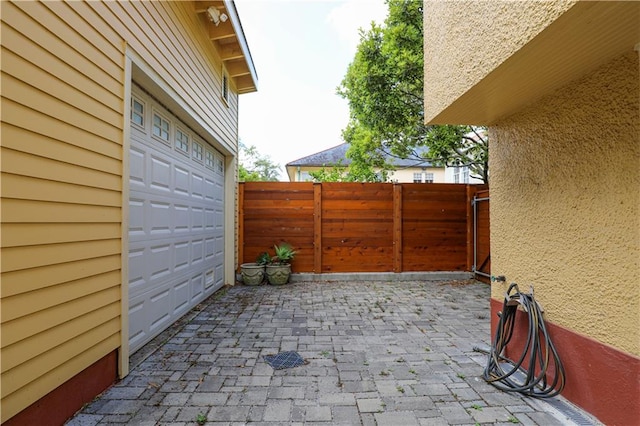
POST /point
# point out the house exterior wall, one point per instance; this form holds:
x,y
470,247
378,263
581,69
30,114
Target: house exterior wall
x,y
63,162
566,170
451,47
297,174
406,175
565,206
449,176
562,176
565,211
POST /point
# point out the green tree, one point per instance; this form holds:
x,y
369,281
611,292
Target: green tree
x,y
254,166
384,87
356,172
335,173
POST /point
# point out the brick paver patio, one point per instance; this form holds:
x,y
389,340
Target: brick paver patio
x,y
377,353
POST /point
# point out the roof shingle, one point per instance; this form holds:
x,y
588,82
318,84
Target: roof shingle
x,y
333,156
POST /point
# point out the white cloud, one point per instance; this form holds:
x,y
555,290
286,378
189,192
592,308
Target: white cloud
x,y
351,15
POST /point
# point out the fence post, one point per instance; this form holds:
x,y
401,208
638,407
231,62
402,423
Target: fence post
x,y
317,227
397,227
240,224
471,191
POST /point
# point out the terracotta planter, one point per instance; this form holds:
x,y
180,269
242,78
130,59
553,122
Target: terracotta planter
x,y
252,273
278,274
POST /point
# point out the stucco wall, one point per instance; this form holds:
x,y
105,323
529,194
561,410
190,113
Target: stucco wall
x,y
462,48
565,204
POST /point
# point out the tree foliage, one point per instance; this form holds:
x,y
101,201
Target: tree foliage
x,y
254,166
384,86
352,173
335,173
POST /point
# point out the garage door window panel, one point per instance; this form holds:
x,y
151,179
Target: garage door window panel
x,y
209,160
182,142
137,112
160,128
220,166
197,151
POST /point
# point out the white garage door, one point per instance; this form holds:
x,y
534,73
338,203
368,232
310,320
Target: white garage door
x,y
176,219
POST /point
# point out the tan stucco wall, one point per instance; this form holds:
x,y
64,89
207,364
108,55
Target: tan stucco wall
x,y
565,204
462,48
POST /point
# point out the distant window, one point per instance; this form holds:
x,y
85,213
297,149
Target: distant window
x,y
208,160
417,177
305,177
137,112
160,127
465,175
428,177
197,151
182,141
225,86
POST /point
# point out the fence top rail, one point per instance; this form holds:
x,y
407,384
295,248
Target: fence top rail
x,y
482,194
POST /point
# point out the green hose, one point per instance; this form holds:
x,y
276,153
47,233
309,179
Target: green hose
x,y
538,351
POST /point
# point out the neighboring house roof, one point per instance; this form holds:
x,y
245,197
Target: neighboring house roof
x,y
331,156
338,155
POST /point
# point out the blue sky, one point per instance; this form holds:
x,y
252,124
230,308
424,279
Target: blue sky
x,y
301,50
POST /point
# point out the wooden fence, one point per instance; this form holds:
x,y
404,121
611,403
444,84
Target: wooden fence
x,y
360,227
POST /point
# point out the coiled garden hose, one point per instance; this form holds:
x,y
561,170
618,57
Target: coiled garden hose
x,y
539,352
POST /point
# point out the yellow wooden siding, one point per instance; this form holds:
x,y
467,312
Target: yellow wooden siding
x,y
63,151
197,74
184,59
29,234
97,344
37,37
62,326
63,92
13,64
43,212
229,114
23,187
28,280
61,163
30,302
15,114
41,255
73,115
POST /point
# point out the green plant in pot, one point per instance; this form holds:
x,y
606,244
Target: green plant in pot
x,y
263,259
253,273
279,269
